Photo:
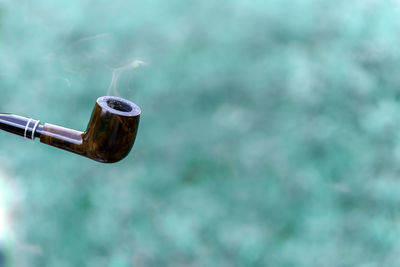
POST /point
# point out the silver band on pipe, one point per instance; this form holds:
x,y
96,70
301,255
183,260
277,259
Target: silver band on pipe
x,y
26,127
34,130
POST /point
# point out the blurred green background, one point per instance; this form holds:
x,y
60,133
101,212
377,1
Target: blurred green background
x,y
269,135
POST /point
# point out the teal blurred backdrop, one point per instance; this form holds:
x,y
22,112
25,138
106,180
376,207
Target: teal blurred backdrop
x,y
269,135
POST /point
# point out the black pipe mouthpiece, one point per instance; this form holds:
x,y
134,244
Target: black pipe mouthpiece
x,y
25,127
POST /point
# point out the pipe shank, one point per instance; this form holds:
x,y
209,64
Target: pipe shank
x,y
64,138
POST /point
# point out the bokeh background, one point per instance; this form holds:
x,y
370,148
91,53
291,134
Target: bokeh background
x,y
269,136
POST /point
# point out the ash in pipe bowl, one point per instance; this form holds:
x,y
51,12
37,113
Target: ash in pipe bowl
x,y
118,105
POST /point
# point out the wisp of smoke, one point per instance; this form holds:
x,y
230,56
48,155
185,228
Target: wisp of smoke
x,y
117,73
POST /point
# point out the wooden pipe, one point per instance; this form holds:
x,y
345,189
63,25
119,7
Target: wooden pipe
x,y
109,137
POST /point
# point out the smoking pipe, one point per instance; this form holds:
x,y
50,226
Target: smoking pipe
x,y
109,137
